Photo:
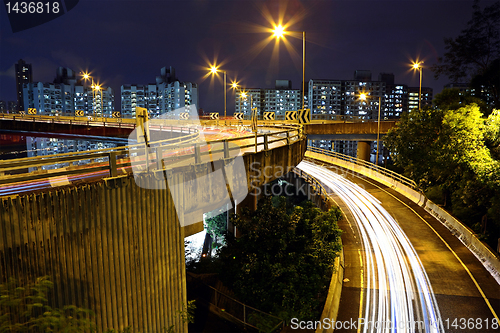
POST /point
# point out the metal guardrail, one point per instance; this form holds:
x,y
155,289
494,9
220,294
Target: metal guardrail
x,y
314,183
89,121
244,314
388,173
113,160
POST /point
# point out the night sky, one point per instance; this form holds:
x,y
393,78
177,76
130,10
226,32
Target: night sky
x,y
127,42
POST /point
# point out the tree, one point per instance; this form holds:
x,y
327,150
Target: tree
x,y
474,55
453,151
24,308
284,259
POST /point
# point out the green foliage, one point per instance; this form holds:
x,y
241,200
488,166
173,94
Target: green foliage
x,y
216,226
24,308
284,259
453,99
474,55
452,151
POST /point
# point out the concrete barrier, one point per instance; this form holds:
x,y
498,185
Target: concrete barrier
x,y
489,259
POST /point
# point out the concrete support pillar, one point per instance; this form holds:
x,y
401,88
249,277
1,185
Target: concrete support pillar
x,y
363,152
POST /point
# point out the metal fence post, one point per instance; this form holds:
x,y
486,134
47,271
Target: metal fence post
x,y
197,154
265,142
113,172
226,149
159,158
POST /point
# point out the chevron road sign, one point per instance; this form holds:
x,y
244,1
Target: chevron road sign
x,y
269,115
116,114
22,112
290,115
214,115
79,113
184,115
304,116
31,111
238,115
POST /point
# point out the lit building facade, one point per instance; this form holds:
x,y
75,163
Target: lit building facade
x,y
59,99
24,74
280,99
426,99
166,95
66,95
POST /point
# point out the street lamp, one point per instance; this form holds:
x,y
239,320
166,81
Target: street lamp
x,y
215,70
363,97
417,66
278,32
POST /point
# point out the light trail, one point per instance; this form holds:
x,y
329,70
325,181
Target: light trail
x,y
399,296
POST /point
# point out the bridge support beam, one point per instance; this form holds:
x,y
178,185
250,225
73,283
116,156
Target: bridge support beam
x,y
363,152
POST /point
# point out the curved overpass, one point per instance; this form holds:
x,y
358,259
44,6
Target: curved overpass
x,y
402,265
112,239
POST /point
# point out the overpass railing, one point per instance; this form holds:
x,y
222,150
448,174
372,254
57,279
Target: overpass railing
x,y
386,172
110,162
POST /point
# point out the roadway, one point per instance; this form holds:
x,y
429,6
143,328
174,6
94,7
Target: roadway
x,y
185,156
401,264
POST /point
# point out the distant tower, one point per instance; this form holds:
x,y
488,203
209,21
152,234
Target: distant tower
x,y
24,74
167,75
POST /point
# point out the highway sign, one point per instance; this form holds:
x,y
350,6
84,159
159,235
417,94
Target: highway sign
x,y
290,115
304,116
31,111
116,114
269,115
238,115
184,115
79,113
214,115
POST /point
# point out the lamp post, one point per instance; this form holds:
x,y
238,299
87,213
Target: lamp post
x,y
418,67
278,32
363,97
215,70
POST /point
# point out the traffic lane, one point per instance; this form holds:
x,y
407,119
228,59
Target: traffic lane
x,y
451,283
350,297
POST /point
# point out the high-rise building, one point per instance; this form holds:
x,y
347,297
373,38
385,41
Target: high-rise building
x,y
24,74
66,95
166,95
247,99
280,99
425,100
341,97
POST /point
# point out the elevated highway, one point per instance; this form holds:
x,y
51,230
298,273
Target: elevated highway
x,y
108,226
115,246
458,290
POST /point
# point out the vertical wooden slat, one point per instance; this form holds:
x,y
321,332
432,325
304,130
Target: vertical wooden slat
x,y
99,248
154,251
88,263
108,256
147,252
61,258
127,251
116,228
45,224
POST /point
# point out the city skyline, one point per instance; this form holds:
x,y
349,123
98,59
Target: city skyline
x,y
126,43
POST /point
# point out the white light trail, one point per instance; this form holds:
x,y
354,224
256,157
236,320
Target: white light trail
x,y
399,296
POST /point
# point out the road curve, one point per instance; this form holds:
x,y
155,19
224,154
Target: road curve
x,y
398,295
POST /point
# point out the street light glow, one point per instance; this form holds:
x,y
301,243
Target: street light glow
x,y
362,96
278,31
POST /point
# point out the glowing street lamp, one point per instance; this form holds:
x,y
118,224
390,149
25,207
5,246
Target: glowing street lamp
x,y
278,32
417,66
363,97
214,70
